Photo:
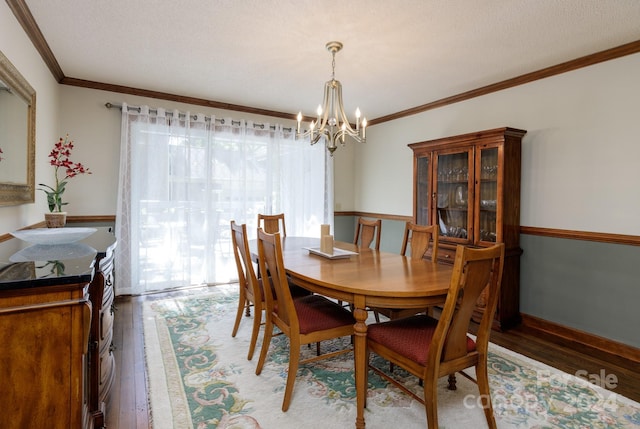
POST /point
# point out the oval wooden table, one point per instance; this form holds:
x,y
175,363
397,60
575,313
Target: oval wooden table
x,y
368,279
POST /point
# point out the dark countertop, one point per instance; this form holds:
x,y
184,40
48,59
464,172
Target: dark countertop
x,y
42,265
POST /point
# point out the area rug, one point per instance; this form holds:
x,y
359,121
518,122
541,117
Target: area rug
x,y
199,377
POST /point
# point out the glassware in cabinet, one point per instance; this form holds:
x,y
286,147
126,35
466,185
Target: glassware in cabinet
x,y
453,194
488,194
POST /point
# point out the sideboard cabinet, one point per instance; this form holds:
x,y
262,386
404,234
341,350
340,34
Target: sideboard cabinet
x,y
56,322
469,185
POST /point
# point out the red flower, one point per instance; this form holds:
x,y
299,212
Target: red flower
x,y
60,158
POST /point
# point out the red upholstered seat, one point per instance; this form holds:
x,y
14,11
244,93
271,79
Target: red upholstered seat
x,y
317,313
411,337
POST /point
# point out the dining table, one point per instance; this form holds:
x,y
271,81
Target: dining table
x,y
364,278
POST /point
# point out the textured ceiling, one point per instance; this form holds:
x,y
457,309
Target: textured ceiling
x,y
270,54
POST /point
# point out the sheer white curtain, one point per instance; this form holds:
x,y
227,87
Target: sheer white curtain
x,y
184,177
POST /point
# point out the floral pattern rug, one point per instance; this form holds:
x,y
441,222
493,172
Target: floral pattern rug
x,y
200,378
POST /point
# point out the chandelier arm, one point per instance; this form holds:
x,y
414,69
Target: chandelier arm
x,y
343,116
340,135
303,135
315,140
324,119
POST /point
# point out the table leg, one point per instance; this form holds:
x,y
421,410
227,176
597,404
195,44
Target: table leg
x,y
360,357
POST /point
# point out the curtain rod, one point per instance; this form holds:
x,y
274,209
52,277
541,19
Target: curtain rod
x,y
109,105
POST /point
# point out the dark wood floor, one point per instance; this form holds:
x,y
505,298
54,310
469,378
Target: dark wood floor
x,y
128,408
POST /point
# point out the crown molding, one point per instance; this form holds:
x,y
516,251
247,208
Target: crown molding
x,y
24,16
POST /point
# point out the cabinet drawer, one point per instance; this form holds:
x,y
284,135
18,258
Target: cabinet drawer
x,y
446,255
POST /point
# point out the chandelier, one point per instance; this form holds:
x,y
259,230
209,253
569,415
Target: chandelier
x,y
332,122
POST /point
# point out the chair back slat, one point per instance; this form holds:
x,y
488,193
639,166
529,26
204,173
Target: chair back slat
x,y
474,270
272,223
418,238
246,272
270,261
368,231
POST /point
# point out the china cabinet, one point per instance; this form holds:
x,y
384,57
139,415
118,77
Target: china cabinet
x,y
56,324
469,185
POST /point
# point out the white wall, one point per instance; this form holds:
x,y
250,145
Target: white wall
x,y
580,159
17,47
96,131
580,156
344,176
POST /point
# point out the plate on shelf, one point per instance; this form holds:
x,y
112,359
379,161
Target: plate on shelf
x,y
53,235
337,253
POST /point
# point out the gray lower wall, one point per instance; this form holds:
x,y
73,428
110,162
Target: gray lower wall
x,y
390,235
590,286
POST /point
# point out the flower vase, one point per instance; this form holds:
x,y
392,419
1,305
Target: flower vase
x,y
55,219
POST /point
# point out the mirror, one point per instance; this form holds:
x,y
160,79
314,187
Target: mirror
x,y
17,136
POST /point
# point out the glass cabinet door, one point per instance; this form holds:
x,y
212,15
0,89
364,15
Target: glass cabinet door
x,y
453,194
422,202
488,195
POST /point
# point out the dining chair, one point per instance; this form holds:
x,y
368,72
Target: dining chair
x,y
417,239
304,320
430,348
251,292
272,223
368,231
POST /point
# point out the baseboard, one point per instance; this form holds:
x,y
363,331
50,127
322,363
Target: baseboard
x,y
585,342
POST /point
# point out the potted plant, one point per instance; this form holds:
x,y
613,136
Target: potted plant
x,y
62,165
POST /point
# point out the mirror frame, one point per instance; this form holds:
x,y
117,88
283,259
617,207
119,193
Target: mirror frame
x,y
12,194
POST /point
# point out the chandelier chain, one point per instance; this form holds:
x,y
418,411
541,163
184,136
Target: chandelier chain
x,y
333,65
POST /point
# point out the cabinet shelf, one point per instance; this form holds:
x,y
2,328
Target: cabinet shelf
x,y
453,182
